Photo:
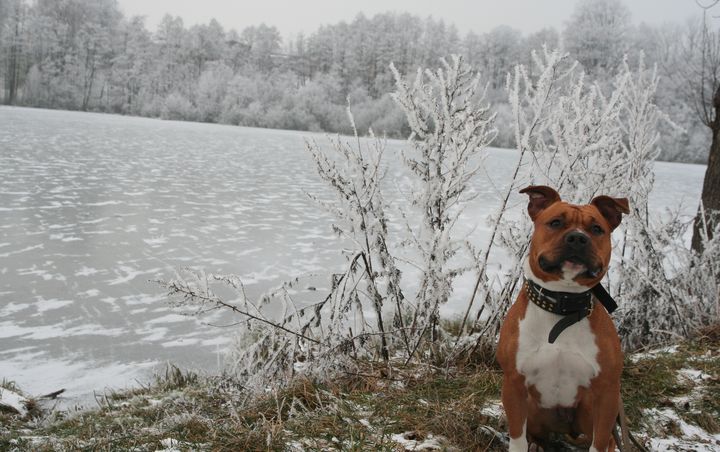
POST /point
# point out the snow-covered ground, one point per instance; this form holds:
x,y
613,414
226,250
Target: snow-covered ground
x,y
93,207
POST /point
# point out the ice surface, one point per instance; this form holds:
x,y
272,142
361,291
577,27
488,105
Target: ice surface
x,y
94,206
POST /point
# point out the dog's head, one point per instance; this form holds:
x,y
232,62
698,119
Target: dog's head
x,y
571,242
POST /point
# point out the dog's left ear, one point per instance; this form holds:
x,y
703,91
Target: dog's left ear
x,y
612,209
541,197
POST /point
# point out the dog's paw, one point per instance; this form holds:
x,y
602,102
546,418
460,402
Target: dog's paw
x,y
580,441
534,447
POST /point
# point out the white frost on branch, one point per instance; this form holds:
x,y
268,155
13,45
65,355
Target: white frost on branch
x,y
451,128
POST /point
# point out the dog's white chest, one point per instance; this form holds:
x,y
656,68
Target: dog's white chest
x,y
556,370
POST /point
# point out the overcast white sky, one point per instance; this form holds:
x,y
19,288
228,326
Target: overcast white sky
x,y
291,17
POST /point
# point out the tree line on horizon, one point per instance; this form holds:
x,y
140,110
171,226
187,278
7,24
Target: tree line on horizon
x,y
86,55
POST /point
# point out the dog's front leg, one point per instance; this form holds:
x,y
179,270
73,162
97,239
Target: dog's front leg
x,y
515,401
605,410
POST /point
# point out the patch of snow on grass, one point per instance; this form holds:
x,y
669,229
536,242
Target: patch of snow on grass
x,y
693,375
669,350
366,423
492,409
13,400
693,438
411,442
696,379
169,445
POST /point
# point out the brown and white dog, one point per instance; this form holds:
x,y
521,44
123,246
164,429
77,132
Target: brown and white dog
x,y
559,349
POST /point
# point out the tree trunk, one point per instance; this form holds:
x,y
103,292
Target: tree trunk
x,y
711,185
12,80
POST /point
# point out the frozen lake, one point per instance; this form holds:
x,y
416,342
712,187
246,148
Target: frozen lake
x,y
94,206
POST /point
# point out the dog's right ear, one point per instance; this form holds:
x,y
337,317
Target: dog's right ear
x,y
540,198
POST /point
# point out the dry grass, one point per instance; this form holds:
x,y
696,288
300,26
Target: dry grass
x,y
359,411
355,412
655,381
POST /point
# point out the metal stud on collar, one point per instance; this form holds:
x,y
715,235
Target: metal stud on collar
x,y
563,304
572,307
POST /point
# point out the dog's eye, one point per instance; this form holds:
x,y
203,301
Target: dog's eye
x,y
597,230
556,223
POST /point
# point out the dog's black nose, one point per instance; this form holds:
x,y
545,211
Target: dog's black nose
x,y
577,240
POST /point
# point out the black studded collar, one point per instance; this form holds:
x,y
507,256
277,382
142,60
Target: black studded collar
x,y
562,303
572,306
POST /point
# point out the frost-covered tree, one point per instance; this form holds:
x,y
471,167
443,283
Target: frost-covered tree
x,y
547,37
207,44
71,46
133,62
211,90
170,71
501,51
262,42
372,280
701,76
83,54
598,34
12,34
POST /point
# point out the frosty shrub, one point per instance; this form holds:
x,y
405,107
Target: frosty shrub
x,y
366,315
371,278
451,127
211,90
572,136
383,116
177,107
669,290
540,105
269,349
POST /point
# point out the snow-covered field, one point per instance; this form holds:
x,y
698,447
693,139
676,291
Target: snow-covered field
x,y
93,207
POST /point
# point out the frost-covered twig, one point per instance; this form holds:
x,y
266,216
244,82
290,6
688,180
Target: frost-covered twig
x,y
203,295
451,127
354,173
538,94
